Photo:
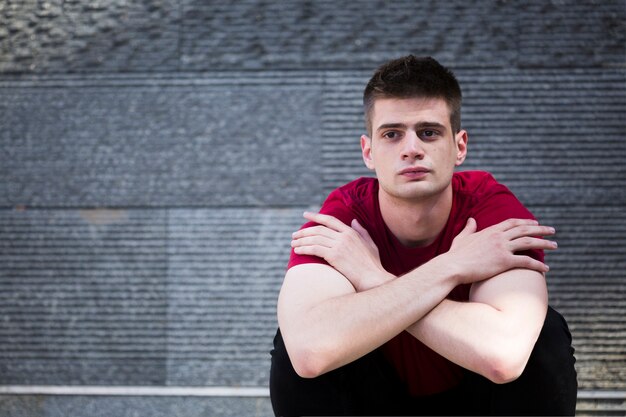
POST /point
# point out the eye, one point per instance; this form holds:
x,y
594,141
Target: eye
x,y
429,134
392,134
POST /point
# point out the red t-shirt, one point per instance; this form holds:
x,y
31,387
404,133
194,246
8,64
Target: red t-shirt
x,y
475,194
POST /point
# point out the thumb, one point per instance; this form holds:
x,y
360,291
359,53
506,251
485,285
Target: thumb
x,y
470,227
361,231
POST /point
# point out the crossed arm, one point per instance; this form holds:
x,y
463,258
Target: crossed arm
x,y
330,316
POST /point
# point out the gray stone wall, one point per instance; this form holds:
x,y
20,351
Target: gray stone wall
x,y
157,154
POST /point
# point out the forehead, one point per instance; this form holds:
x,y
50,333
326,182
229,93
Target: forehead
x,y
409,111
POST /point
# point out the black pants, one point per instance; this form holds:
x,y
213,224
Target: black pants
x,y
369,385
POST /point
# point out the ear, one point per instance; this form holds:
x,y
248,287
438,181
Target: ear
x,y
366,150
461,146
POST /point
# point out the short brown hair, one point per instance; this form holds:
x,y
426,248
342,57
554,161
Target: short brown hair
x,y
410,77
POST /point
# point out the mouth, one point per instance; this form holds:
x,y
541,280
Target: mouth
x,y
414,172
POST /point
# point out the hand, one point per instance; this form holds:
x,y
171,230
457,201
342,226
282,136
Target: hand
x,y
485,254
350,250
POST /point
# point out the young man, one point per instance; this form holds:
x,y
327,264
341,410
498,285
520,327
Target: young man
x,y
421,291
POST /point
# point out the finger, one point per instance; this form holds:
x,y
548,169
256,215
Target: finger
x,y
529,230
319,251
470,227
524,261
313,241
528,243
512,223
314,231
326,220
362,231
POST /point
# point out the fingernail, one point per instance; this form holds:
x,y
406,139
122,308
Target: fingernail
x,y
554,244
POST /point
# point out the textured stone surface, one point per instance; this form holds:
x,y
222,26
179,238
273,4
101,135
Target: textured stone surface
x,y
141,297
225,270
586,284
599,407
257,34
121,35
192,142
78,36
190,34
82,406
571,33
84,297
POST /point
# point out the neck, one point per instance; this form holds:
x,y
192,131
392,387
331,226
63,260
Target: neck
x,y
416,222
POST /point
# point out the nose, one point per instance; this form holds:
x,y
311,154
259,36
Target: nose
x,y
413,148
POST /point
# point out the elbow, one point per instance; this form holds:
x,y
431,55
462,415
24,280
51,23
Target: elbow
x,y
307,369
508,354
309,362
506,365
308,365
503,371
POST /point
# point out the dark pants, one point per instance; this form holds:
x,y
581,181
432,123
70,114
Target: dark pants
x,y
369,385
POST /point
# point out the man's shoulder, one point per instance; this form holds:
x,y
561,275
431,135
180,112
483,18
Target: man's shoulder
x,y
479,195
476,183
355,192
350,201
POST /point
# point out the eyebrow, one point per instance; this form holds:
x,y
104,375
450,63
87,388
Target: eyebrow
x,y
419,125
391,126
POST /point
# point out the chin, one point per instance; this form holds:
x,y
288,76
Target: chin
x,y
414,191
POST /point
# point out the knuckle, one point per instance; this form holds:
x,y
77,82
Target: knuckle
x,y
513,222
300,250
502,247
527,241
522,223
533,264
497,237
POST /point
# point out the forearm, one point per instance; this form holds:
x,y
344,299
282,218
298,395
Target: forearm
x,y
328,334
492,335
469,334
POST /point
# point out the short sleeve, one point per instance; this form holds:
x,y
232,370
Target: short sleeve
x,y
496,203
336,206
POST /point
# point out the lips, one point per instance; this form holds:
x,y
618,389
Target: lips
x,y
414,170
414,173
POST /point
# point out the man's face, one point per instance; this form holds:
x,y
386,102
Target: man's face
x,y
413,149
